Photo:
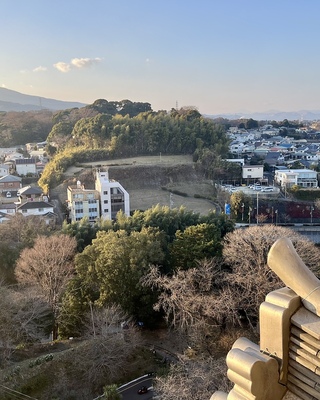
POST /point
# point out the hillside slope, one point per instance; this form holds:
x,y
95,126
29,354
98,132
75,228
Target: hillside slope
x,y
150,182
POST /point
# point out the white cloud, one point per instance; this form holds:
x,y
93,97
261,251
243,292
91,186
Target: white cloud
x,y
39,69
77,63
85,62
62,66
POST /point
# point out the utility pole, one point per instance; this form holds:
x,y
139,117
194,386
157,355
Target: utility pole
x,y
257,208
171,201
92,319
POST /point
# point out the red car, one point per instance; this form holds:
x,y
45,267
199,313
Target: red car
x,y
143,390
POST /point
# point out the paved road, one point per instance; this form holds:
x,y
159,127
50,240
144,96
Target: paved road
x,y
129,391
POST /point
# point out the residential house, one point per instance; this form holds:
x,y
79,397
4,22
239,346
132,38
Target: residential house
x,y
83,203
26,166
13,156
274,158
4,170
8,209
31,201
38,208
305,178
113,197
30,193
38,154
236,147
9,185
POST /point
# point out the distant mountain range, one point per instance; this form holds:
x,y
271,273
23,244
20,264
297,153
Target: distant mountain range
x,y
11,100
273,115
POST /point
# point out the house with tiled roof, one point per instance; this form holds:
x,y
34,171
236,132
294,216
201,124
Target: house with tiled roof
x,y
10,184
38,208
30,193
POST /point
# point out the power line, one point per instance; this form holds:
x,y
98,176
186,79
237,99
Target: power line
x,y
17,394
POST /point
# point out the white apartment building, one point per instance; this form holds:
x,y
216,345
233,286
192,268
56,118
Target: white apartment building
x,y
113,197
305,178
83,203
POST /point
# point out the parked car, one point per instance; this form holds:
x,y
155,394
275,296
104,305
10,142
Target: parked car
x,y
267,189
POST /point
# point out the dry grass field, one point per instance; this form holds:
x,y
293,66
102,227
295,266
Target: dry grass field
x,y
149,181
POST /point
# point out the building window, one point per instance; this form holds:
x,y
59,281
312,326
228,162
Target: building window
x,y
92,201
24,211
105,192
79,211
106,201
93,210
78,203
90,195
106,210
40,209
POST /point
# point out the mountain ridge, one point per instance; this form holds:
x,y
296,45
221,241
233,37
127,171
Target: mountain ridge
x,y
11,100
272,115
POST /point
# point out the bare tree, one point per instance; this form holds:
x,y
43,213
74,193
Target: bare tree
x,y
108,346
24,317
245,251
191,301
193,380
101,321
48,265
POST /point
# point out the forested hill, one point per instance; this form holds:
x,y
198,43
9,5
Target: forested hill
x,y
20,127
125,127
111,131
147,133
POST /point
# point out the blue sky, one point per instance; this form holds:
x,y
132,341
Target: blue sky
x,y
221,56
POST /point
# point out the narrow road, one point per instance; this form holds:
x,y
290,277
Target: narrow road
x,y
129,391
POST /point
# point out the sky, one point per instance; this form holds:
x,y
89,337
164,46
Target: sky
x,y
221,56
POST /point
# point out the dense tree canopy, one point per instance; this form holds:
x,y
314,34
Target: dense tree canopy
x,y
195,243
110,269
19,128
